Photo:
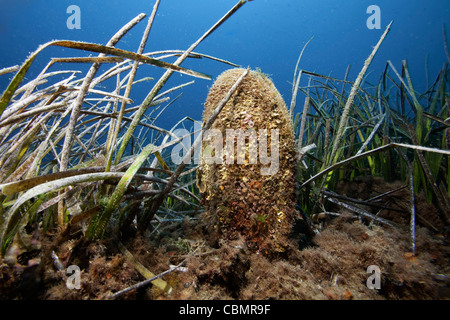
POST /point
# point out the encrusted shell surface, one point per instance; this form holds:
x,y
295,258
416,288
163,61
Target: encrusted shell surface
x,y
239,199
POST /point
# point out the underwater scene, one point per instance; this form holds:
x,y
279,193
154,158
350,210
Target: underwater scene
x,y
224,150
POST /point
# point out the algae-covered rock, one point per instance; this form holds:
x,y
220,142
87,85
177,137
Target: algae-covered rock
x,y
247,166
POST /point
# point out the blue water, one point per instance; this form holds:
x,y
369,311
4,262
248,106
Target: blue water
x,y
265,34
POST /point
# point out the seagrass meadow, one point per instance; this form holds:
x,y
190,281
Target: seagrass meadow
x,y
87,180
